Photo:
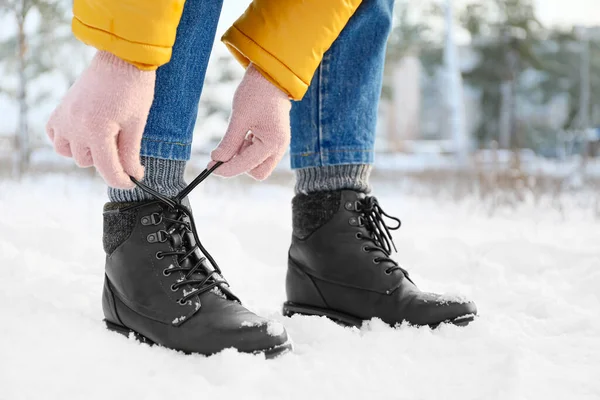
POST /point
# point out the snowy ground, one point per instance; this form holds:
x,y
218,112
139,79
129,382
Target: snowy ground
x,y
534,273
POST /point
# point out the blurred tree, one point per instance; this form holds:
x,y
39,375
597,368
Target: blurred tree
x,y
504,34
561,54
37,47
413,34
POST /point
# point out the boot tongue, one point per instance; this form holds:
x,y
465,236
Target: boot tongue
x,y
205,269
183,238
188,241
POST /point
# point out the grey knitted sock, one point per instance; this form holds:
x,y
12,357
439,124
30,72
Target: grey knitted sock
x,y
165,176
333,177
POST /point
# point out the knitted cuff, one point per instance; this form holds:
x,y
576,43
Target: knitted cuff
x,y
333,177
105,60
164,176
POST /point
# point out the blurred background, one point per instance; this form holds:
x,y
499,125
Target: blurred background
x,y
498,99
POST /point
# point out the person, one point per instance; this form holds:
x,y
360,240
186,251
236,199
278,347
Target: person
x,y
327,57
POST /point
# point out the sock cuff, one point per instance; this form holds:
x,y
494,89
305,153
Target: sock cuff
x,y
164,176
333,177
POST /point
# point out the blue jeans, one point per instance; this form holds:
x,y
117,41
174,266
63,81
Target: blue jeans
x,y
334,123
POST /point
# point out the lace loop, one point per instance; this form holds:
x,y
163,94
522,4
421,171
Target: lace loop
x,y
372,217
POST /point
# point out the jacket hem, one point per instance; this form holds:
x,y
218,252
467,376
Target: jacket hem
x,y
147,57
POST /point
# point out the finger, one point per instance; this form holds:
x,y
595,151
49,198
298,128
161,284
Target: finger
x,y
247,160
62,147
265,169
106,160
50,133
129,144
82,156
245,144
230,145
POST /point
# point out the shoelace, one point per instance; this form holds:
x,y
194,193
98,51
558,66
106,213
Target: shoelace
x,y
380,236
176,231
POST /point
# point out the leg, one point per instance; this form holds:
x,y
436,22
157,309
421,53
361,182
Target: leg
x,y
167,140
334,126
158,283
340,262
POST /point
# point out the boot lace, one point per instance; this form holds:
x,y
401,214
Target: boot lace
x,y
197,273
380,238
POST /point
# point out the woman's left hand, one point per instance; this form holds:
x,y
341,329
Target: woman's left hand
x,y
258,134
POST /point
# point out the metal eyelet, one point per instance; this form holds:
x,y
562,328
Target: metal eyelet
x,y
366,249
388,272
162,236
159,255
156,218
166,272
376,261
181,303
173,288
359,235
357,205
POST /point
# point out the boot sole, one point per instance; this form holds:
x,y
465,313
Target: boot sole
x,y
270,353
347,320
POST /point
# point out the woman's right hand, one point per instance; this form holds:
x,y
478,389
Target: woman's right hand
x,y
101,120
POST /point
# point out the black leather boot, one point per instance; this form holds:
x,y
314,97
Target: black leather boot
x,y
165,288
340,267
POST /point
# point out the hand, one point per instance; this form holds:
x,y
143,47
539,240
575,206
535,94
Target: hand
x,y
101,120
259,130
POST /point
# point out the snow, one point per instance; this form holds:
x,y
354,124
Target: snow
x,y
250,323
534,272
275,328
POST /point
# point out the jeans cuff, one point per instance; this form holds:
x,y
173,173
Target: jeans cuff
x,y
166,150
334,157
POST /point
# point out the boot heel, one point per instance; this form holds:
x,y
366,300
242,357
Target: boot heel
x,y
111,326
290,309
117,328
301,288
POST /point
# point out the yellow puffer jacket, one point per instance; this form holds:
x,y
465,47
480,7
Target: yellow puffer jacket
x,y
285,39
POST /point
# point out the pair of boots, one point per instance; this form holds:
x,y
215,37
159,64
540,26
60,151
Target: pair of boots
x,y
164,287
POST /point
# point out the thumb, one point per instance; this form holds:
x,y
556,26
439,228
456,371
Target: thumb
x,y
231,144
129,143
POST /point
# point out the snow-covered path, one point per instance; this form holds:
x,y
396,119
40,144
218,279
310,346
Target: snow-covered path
x,y
534,274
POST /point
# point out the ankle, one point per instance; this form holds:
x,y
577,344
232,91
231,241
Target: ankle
x,y
164,176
